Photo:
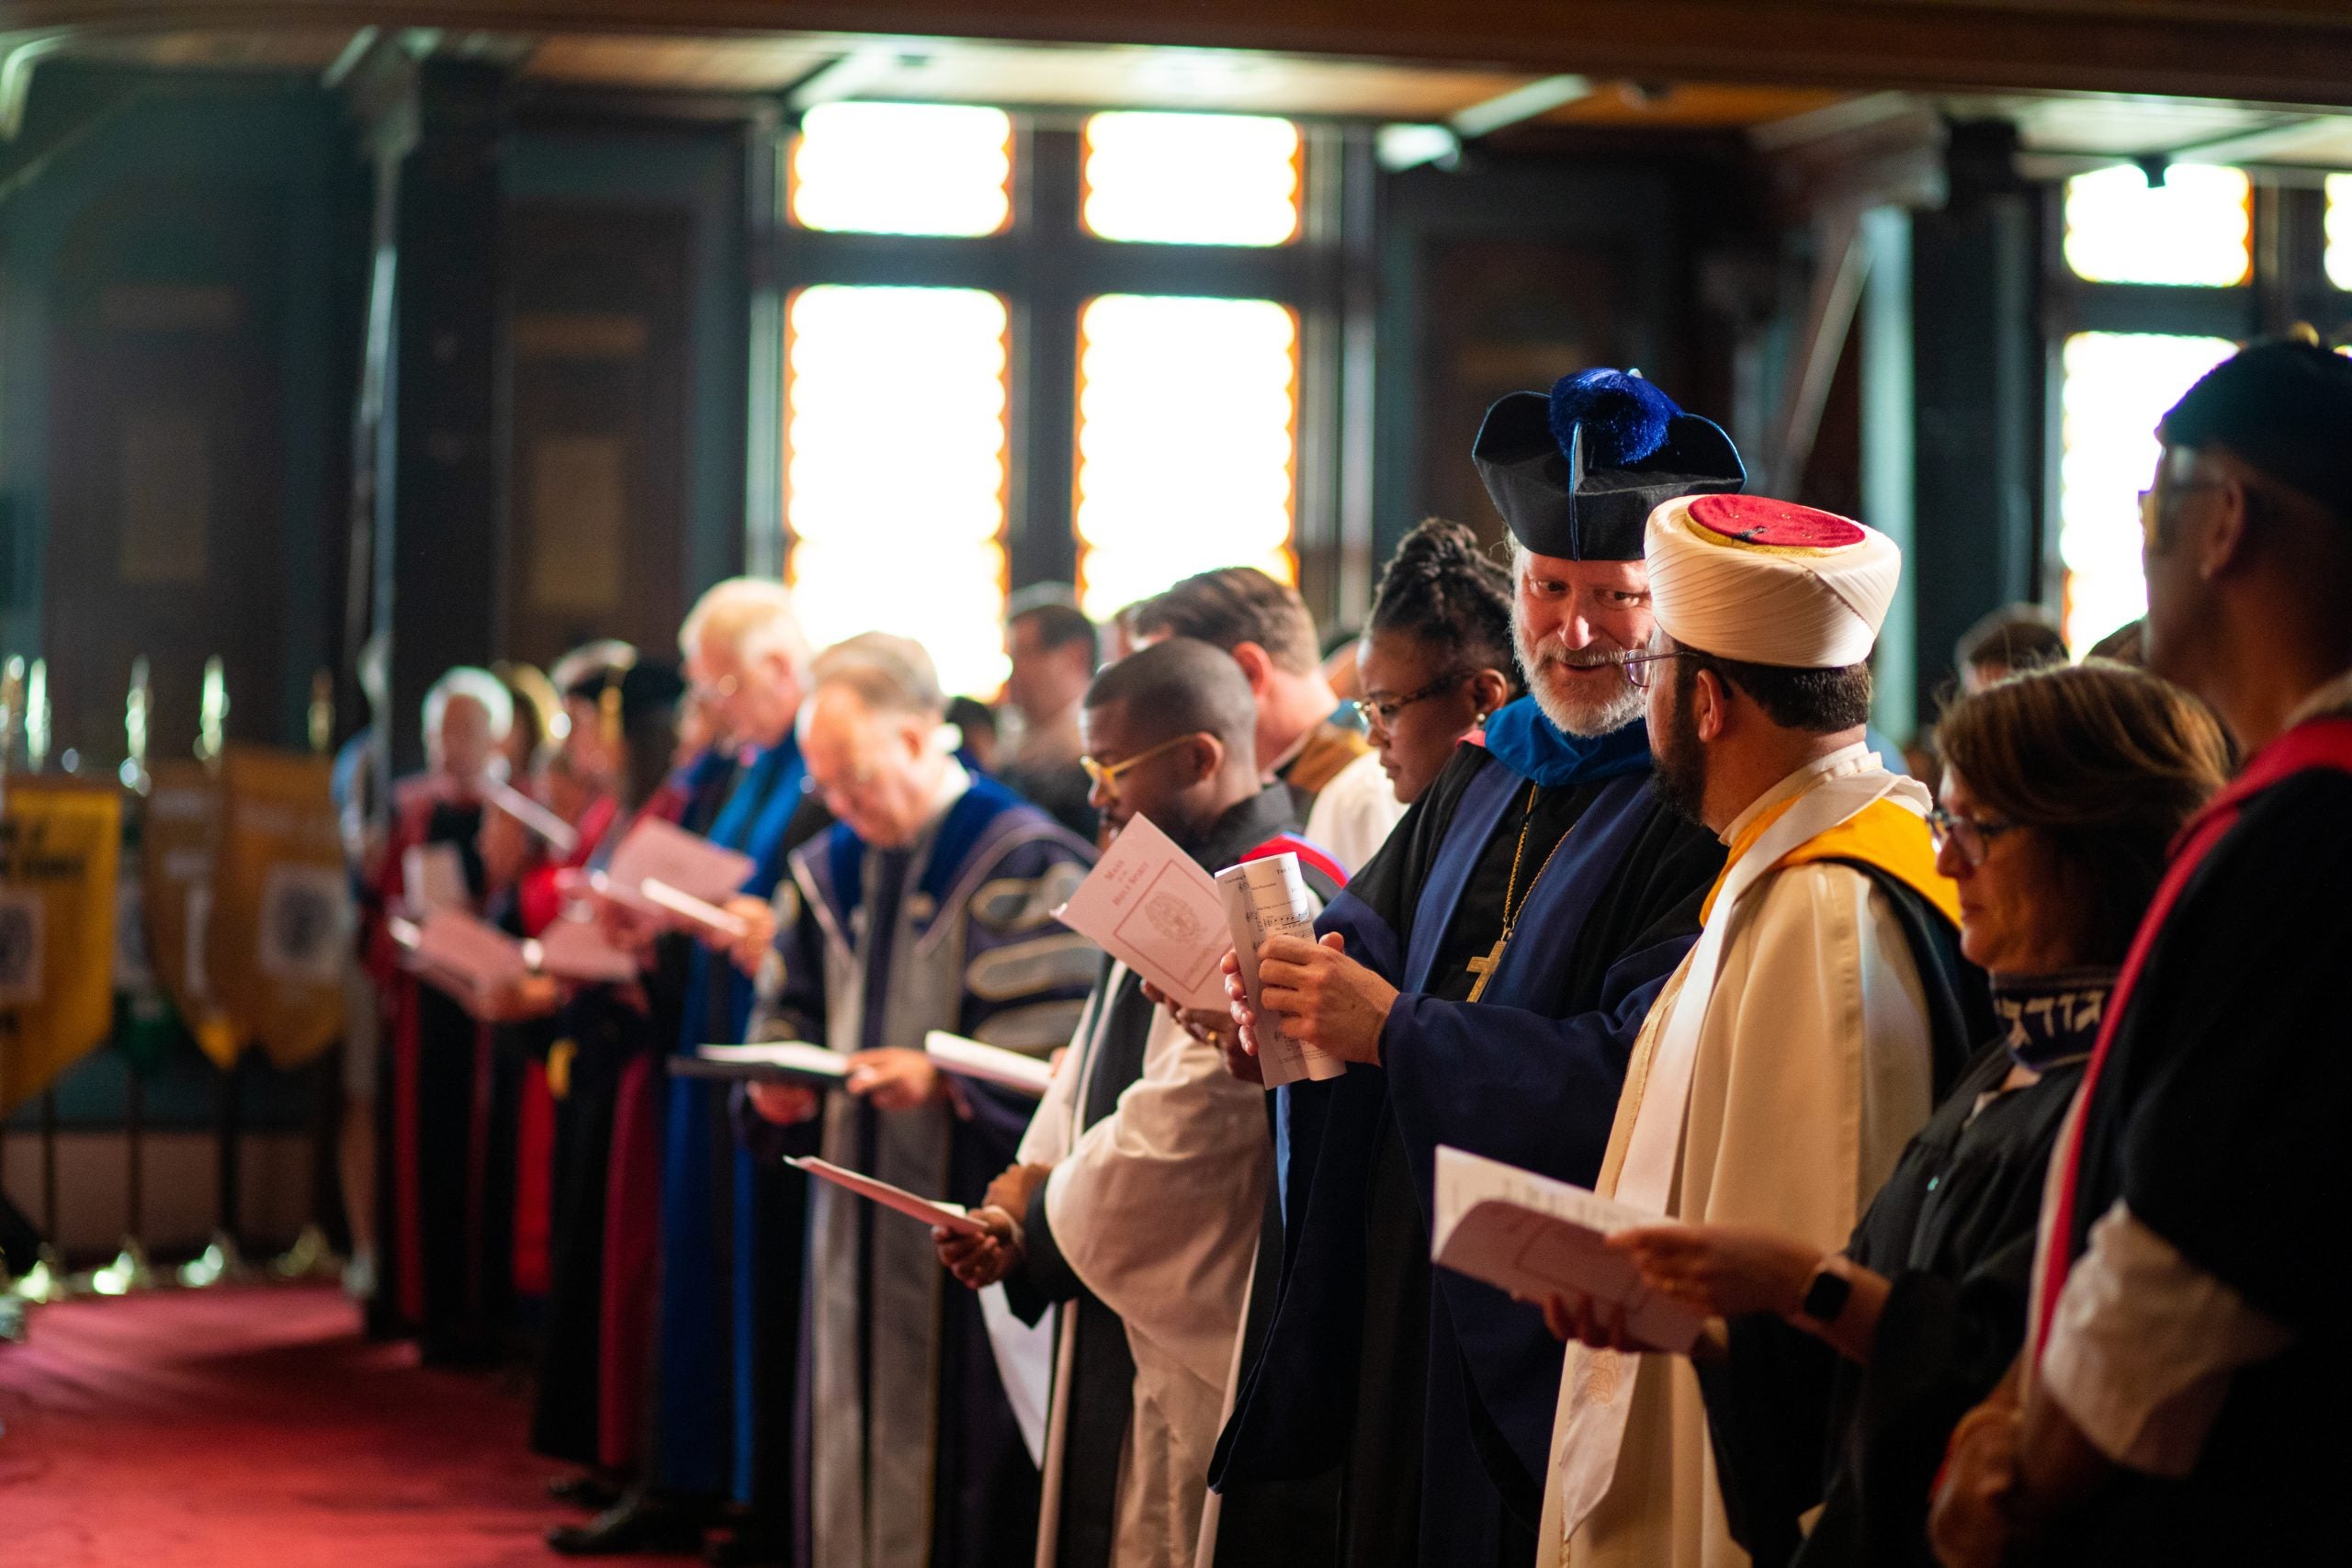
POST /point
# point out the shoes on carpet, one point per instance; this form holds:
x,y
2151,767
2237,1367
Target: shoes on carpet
x,y
587,1490
639,1524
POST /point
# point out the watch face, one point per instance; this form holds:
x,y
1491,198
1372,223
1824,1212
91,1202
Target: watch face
x,y
1825,1297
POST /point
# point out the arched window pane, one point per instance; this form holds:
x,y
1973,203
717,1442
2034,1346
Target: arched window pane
x,y
894,436
2340,230
1186,417
2117,386
903,169
1202,179
2196,228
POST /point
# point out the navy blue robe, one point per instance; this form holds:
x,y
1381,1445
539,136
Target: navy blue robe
x,y
1431,1393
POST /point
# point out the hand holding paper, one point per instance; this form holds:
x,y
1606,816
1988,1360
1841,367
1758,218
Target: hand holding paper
x,y
1149,905
668,874
946,1216
1264,900
1537,1238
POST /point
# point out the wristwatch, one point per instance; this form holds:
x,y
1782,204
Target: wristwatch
x,y
1825,1293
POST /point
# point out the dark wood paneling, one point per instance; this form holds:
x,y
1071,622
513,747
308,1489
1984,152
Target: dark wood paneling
x,y
165,460
598,332
2279,51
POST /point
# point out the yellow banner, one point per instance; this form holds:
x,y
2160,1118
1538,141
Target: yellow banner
x,y
178,841
59,843
280,926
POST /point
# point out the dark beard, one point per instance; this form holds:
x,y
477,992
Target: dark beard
x,y
1680,763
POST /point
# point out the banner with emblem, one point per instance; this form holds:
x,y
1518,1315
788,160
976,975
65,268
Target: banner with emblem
x,y
60,845
178,840
281,925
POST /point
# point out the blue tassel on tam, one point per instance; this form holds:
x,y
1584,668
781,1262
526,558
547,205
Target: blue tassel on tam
x,y
1623,416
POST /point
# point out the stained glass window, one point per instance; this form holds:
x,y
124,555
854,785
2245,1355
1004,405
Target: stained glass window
x,y
895,452
2117,386
2196,228
1205,179
903,169
1186,429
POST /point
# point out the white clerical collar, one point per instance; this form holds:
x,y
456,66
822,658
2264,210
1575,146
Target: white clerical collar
x,y
2335,697
1855,758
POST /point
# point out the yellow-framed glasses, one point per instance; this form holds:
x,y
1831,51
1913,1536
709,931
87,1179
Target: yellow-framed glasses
x,y
1106,775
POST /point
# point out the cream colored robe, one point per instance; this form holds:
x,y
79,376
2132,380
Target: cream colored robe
x,y
1812,1071
1157,1208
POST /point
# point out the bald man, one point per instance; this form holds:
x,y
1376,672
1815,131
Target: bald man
x,y
929,905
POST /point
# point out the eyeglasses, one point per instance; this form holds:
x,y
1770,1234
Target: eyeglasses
x,y
1637,665
720,690
1379,713
1971,836
2152,509
1106,774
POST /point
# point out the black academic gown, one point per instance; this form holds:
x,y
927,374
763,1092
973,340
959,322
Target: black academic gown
x,y
2219,1116
1100,1402
1795,1425
1428,1394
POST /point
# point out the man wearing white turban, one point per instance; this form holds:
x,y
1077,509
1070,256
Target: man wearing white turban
x,y
1802,1040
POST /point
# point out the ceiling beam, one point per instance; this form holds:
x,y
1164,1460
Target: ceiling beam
x,y
2280,51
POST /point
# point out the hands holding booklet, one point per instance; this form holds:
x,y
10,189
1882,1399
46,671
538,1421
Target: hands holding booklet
x,y
1559,1246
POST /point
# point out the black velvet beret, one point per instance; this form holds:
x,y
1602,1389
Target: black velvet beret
x,y
2284,406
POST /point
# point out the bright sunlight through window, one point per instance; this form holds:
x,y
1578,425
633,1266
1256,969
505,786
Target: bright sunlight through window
x,y
1186,412
903,169
2193,229
2340,230
2118,385
895,470
1200,179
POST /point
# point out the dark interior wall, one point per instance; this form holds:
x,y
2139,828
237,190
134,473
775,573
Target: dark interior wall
x,y
1509,273
179,332
630,325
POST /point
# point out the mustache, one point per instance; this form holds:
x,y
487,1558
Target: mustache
x,y
1580,657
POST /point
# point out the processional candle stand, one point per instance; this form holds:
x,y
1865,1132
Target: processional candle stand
x,y
130,1269
222,1262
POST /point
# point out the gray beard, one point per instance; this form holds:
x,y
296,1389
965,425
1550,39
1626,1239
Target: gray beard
x,y
1589,717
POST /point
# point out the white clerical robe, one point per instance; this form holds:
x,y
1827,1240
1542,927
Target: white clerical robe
x,y
1157,1208
1813,1070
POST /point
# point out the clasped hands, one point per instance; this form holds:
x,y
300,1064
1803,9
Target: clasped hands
x,y
1318,995
980,1261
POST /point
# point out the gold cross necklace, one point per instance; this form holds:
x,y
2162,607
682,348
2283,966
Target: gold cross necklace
x,y
1485,967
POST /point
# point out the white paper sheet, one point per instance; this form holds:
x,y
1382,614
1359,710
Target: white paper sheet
x,y
1534,1236
693,910
949,1215
989,1064
797,1057
1149,905
433,877
576,951
683,863
1265,898
458,953
557,834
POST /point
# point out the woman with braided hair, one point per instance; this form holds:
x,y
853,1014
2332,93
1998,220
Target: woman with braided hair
x,y
1435,660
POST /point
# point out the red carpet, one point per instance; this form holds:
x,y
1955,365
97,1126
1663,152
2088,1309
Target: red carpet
x,y
254,1428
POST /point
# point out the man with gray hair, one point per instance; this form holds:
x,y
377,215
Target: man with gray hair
x,y
747,660
929,905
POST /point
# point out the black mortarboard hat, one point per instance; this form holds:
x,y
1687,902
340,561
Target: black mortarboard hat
x,y
2284,406
1576,474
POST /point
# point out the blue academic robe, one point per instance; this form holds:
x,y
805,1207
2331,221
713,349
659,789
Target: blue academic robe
x,y
697,1431
1529,1074
911,1444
